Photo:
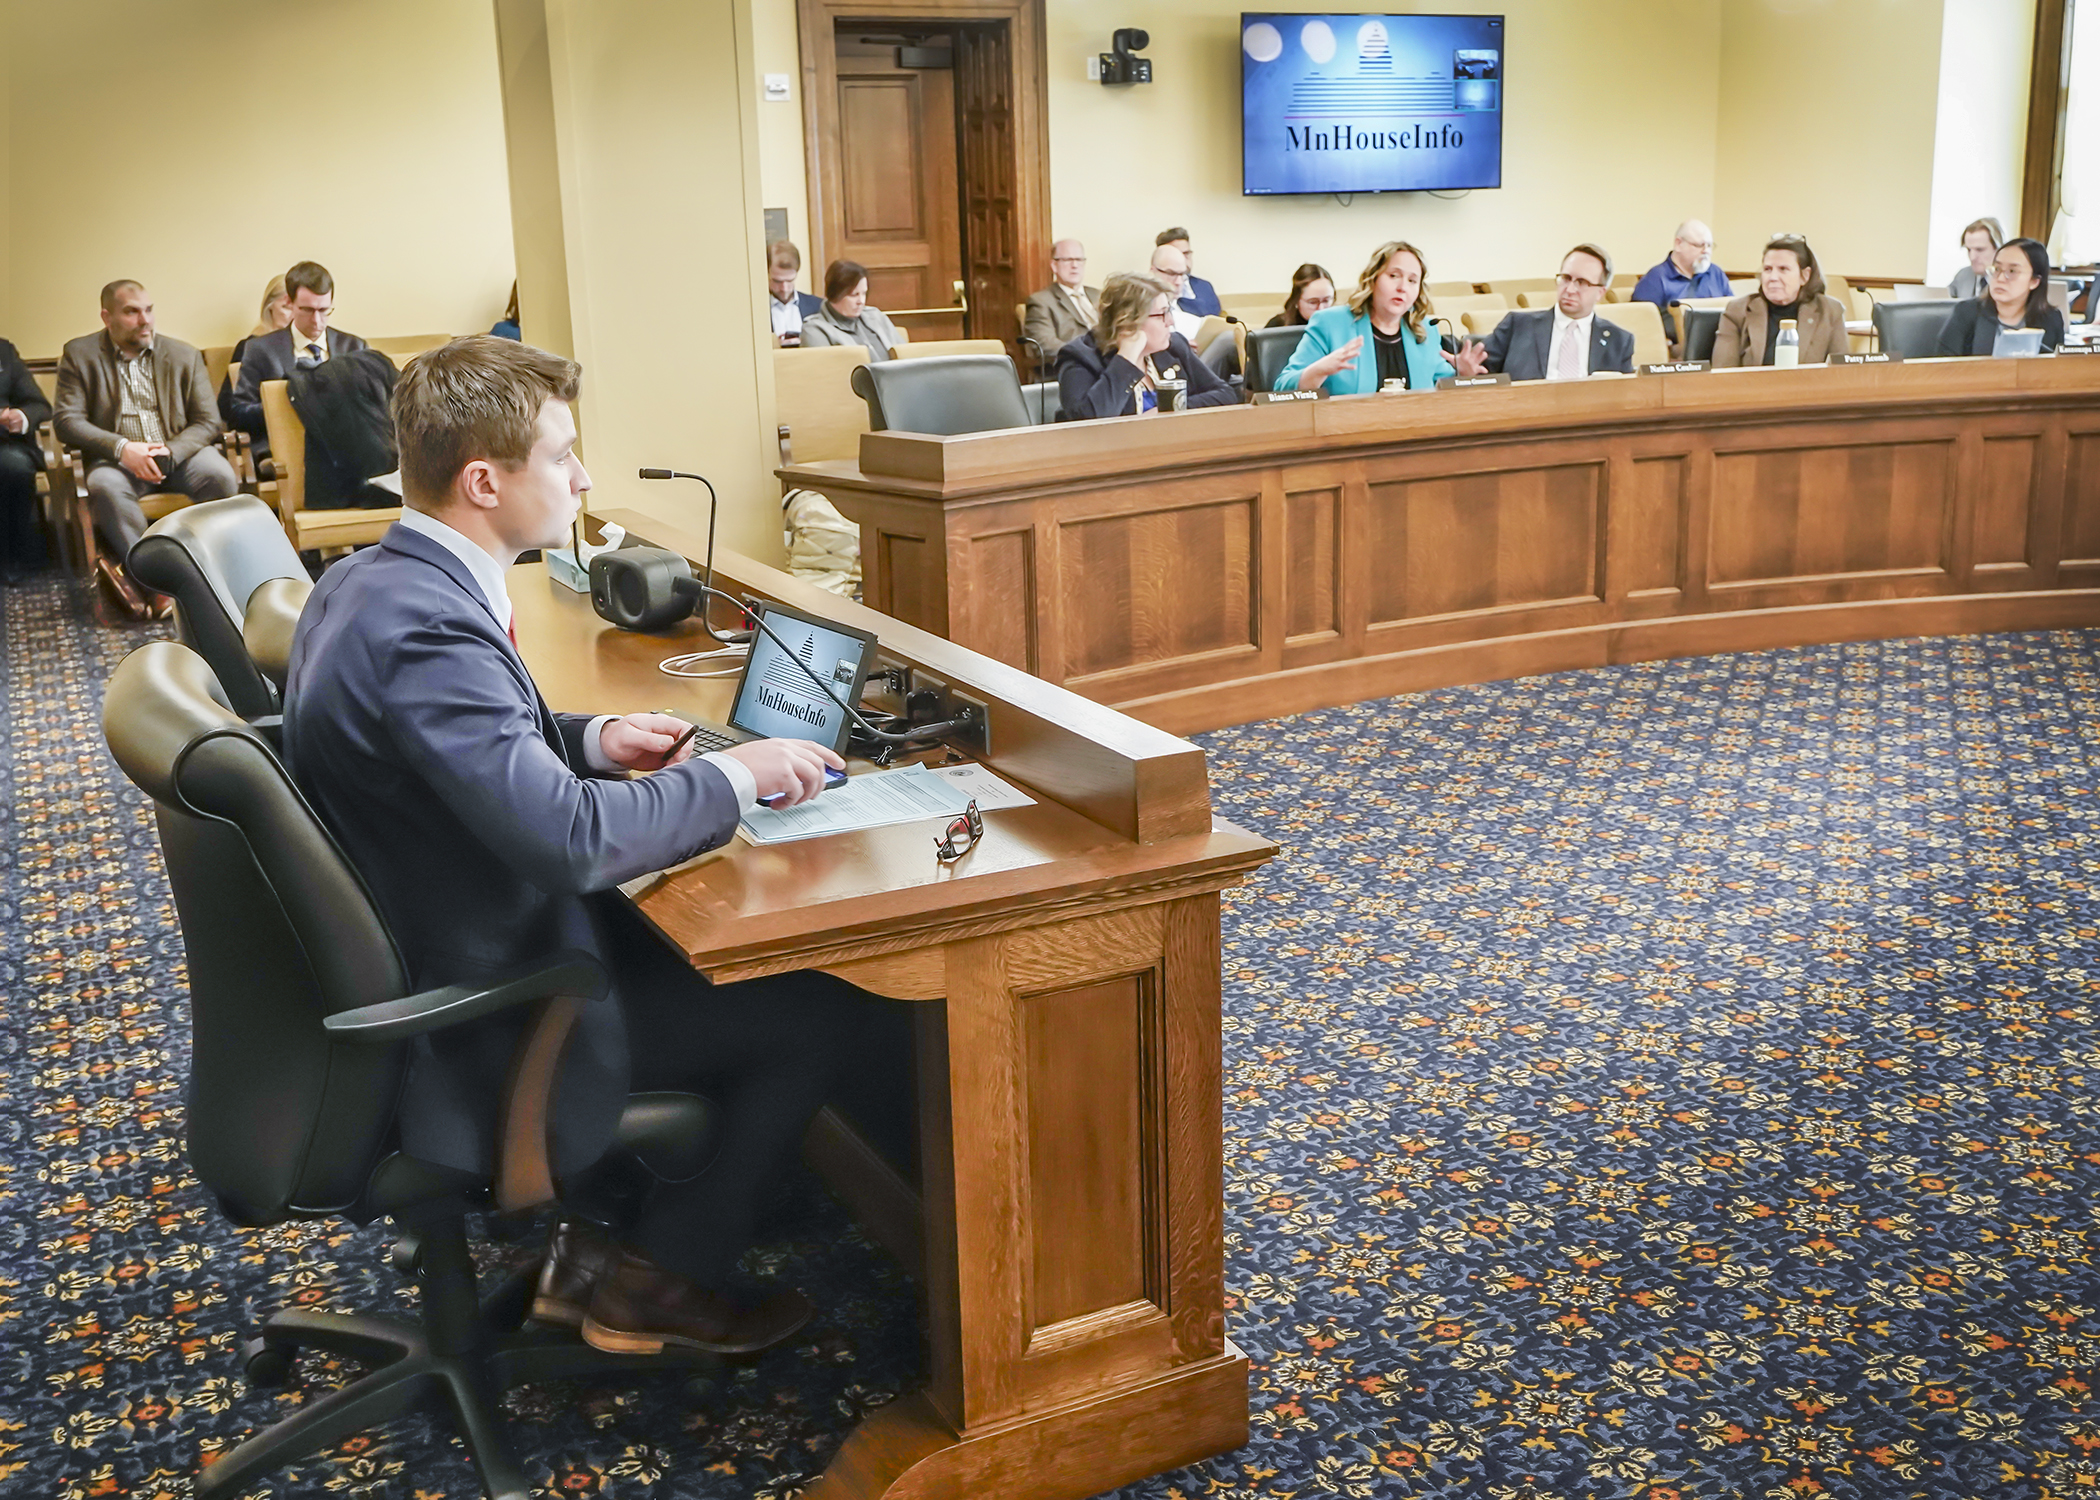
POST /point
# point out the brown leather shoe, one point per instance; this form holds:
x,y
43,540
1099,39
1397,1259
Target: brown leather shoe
x,y
641,1308
578,1258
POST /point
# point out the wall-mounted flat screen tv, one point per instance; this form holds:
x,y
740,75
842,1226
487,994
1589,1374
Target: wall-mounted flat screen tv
x,y
1369,104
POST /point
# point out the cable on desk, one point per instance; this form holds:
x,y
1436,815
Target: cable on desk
x,y
682,665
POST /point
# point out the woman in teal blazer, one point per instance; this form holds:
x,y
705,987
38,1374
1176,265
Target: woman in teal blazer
x,y
1384,324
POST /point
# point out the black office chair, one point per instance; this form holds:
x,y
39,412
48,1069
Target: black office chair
x,y
1268,351
302,1021
211,557
942,395
1045,401
1701,326
1911,329
267,628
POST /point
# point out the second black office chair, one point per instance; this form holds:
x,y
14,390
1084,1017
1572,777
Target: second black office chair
x,y
302,1019
943,395
1911,329
1268,351
212,557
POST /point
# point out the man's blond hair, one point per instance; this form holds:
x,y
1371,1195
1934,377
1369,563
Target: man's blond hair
x,y
478,397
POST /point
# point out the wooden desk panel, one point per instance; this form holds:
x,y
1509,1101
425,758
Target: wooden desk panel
x,y
1235,564
1067,1225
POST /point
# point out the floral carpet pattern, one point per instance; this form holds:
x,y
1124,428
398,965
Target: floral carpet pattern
x,y
1668,1081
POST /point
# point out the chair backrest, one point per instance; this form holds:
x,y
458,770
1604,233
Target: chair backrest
x,y
1906,291
813,399
1644,321
404,346
1252,308
1268,351
1481,321
942,348
271,622
287,445
1208,332
1701,326
943,397
212,557
1455,308
1514,286
216,361
1438,291
2060,296
1044,400
1911,329
278,933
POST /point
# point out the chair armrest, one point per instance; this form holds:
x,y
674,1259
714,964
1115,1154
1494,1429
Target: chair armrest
x,y
573,975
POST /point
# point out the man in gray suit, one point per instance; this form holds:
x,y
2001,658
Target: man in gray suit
x,y
139,407
1066,308
1566,341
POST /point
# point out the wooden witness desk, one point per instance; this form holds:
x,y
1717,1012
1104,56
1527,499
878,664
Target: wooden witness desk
x,y
1067,1225
1217,567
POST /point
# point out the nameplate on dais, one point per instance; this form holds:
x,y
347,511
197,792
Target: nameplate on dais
x,y
1270,398
1865,359
1677,367
1465,382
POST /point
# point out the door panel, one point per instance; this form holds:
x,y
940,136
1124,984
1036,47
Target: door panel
x,y
990,180
897,154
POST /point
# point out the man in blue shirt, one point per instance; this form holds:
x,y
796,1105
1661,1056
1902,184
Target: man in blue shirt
x,y
1687,271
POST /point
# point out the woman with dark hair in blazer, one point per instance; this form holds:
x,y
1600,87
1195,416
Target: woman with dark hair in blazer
x,y
1312,292
1789,288
846,318
2019,298
1113,369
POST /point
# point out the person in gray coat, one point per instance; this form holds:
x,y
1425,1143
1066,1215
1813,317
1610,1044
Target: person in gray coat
x,y
845,317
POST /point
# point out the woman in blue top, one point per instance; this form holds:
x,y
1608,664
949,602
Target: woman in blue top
x,y
1381,334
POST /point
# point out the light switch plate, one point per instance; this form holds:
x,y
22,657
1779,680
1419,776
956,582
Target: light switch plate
x,y
776,88
1093,67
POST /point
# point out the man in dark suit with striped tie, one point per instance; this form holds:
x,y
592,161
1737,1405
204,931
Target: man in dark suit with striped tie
x,y
303,343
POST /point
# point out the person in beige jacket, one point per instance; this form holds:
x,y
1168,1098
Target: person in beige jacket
x,y
1790,285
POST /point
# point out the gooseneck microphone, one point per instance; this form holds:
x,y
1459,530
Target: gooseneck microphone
x,y
734,637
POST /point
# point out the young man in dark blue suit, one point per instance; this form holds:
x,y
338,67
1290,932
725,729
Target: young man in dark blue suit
x,y
492,832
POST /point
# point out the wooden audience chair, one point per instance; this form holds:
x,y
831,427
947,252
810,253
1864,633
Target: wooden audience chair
x,y
820,417
1456,307
1438,291
1513,287
403,347
1253,308
321,530
1651,346
1481,321
934,348
217,360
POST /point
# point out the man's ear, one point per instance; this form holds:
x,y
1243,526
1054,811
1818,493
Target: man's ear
x,y
476,485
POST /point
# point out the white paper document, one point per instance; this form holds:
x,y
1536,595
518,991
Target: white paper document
x,y
880,798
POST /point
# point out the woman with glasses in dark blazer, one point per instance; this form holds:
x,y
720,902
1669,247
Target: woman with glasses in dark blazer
x,y
1114,368
2018,299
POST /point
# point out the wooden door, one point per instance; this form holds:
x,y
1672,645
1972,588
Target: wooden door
x,y
984,109
898,179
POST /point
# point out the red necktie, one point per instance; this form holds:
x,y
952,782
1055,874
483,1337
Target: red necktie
x,y
511,630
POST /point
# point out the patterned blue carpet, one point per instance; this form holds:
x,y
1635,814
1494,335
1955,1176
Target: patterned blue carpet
x,y
1659,1082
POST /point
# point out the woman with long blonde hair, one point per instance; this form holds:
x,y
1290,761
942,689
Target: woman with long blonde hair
x,y
1114,368
1381,338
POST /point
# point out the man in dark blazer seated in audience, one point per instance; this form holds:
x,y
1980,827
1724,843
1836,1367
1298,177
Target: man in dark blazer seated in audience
x,y
492,833
23,410
301,344
1566,341
1063,310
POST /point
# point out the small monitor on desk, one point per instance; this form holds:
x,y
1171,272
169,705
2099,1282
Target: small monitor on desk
x,y
777,699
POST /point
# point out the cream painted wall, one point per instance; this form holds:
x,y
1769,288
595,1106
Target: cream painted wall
x,y
782,179
1979,143
404,199
1826,125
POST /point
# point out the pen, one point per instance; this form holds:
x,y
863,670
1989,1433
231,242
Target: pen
x,y
680,743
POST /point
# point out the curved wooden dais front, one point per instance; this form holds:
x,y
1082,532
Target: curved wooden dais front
x,y
1217,567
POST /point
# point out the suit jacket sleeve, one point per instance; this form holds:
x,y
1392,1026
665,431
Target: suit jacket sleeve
x,y
71,421
1036,324
474,737
200,413
1619,350
1831,337
21,390
1087,391
1732,339
1498,343
244,409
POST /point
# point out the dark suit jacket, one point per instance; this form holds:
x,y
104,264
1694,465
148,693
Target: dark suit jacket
x,y
271,358
18,389
1202,299
1052,321
415,730
1972,328
1521,346
1090,386
88,398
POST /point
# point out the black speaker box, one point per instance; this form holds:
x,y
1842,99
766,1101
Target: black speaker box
x,y
632,588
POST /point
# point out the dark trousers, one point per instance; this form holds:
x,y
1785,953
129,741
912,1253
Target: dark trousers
x,y
21,544
768,1052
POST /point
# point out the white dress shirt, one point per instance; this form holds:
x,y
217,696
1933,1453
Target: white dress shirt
x,y
488,576
1185,323
787,316
301,344
1561,324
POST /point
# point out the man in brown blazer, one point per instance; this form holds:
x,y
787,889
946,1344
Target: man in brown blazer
x,y
1066,308
139,407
